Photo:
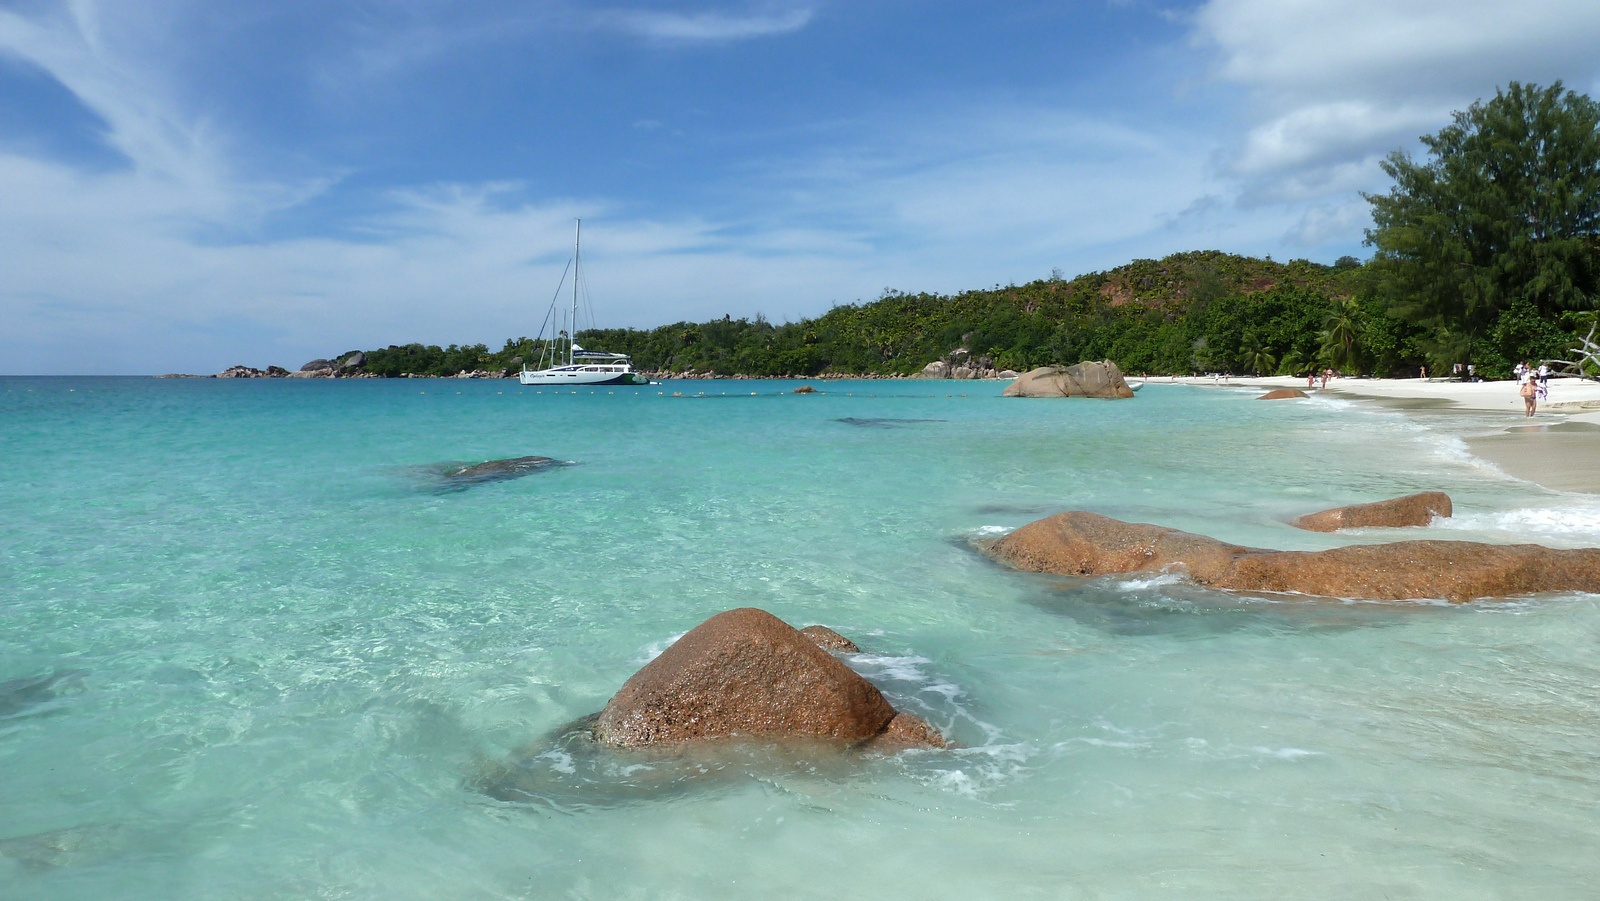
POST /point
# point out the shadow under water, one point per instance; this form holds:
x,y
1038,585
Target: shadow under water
x,y
569,772
23,696
74,846
1169,604
883,423
459,476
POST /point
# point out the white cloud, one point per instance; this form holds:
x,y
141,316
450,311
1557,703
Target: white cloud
x,y
1398,47
1333,85
706,26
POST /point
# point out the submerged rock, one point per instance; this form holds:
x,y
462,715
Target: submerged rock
x,y
883,423
1283,394
746,674
498,470
1086,379
1411,510
1087,544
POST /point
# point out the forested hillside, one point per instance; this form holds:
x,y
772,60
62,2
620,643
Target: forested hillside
x,y
1199,311
1203,311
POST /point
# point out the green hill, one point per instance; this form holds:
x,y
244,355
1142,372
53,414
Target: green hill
x,y
1196,311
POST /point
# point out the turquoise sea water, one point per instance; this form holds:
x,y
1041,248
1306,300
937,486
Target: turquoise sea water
x,y
253,646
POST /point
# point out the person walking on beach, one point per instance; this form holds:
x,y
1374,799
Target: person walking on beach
x,y
1544,381
1526,389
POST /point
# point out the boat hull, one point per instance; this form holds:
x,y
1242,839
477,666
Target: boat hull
x,y
558,379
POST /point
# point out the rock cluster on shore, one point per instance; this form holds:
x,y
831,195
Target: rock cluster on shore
x,y
745,674
1087,379
1087,544
961,363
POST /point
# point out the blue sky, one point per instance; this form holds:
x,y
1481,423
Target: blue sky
x,y
189,185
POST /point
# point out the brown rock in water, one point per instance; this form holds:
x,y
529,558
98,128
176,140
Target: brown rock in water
x,y
1454,570
829,639
903,732
1086,379
748,674
1411,510
1086,544
1283,394
804,389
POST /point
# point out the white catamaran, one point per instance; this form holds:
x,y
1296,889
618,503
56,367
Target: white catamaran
x,y
562,361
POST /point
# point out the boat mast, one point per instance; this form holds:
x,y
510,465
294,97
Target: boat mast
x,y
577,235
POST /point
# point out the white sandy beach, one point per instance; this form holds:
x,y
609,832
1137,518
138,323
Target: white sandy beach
x,y
1559,447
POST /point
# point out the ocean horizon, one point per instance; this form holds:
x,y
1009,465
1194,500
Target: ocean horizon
x,y
258,643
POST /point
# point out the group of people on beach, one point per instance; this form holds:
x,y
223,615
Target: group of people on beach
x,y
1313,375
1533,384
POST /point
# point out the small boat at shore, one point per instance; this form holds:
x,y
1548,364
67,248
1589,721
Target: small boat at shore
x,y
562,361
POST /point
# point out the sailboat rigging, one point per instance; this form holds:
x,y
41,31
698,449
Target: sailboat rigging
x,y
562,361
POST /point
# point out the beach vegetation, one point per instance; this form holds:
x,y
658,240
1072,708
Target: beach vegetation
x,y
1494,237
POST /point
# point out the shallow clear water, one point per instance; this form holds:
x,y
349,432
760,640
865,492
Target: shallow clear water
x,y
253,645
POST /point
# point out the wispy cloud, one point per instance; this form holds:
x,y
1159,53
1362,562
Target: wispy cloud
x,y
706,27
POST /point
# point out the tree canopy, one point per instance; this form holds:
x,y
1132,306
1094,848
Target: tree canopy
x,y
1494,241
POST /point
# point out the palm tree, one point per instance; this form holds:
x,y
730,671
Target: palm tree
x,y
1341,333
1257,356
1295,363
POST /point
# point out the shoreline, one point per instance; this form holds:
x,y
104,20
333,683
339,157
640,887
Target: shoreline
x,y
1558,448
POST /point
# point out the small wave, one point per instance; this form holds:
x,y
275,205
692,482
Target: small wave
x,y
1578,522
992,531
1131,585
560,761
984,769
903,669
1101,743
1333,403
654,649
1286,753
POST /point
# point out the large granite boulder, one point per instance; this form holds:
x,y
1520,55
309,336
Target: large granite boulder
x,y
1087,544
1086,379
315,365
1411,510
353,360
938,369
747,674
1283,394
